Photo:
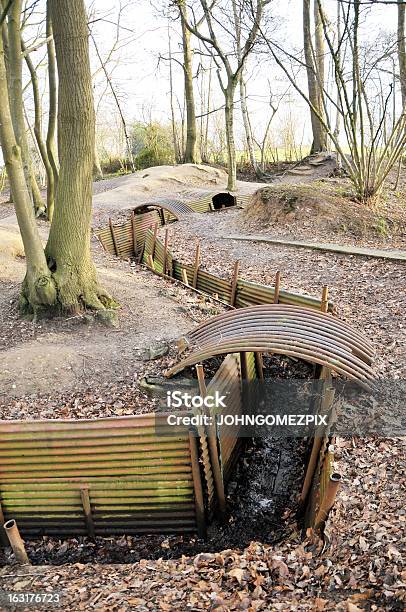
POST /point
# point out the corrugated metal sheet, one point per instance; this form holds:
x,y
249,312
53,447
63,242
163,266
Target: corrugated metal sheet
x,y
284,329
227,380
176,208
251,294
139,479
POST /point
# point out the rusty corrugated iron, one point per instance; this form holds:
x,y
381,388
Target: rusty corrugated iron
x,y
283,329
137,472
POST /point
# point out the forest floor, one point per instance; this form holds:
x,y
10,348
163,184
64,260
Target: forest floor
x,y
81,368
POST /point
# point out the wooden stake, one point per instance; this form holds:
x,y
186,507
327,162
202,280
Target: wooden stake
x,y
277,287
154,240
234,282
113,236
214,456
134,232
165,250
197,485
324,299
84,495
197,265
259,363
151,262
184,277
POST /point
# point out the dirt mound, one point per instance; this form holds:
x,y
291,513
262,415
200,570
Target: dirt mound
x,y
317,211
116,197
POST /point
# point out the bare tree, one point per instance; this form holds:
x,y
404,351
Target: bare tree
x,y
402,49
314,58
191,131
372,152
217,20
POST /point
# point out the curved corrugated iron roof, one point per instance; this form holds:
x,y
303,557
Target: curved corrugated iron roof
x,y
287,330
176,207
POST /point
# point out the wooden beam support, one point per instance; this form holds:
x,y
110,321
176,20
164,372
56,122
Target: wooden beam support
x,y
87,510
234,282
113,237
277,287
196,265
197,485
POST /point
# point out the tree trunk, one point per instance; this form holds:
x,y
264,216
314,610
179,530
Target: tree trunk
x,y
38,286
68,248
317,127
53,101
97,169
247,126
320,72
38,136
191,131
229,116
16,101
402,50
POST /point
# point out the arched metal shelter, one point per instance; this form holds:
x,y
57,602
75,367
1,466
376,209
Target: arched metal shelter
x,y
303,333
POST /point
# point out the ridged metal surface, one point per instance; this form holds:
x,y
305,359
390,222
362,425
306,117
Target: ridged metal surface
x,y
284,329
175,207
138,479
227,381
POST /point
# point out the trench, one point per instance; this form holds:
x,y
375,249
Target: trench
x,y
261,502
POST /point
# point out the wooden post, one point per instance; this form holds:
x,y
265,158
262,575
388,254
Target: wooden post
x,y
113,236
184,277
214,456
16,542
197,485
84,495
151,262
154,240
165,250
234,282
277,287
134,232
324,299
259,363
197,265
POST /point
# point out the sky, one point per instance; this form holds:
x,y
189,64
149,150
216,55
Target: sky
x,y
141,77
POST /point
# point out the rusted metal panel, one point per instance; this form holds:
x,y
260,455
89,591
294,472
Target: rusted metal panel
x,y
137,478
175,207
227,380
284,329
251,294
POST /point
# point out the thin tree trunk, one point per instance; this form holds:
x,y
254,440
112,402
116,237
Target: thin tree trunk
x,y
53,101
191,131
68,248
317,144
16,101
229,117
38,286
402,49
173,121
320,72
247,126
97,169
38,135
